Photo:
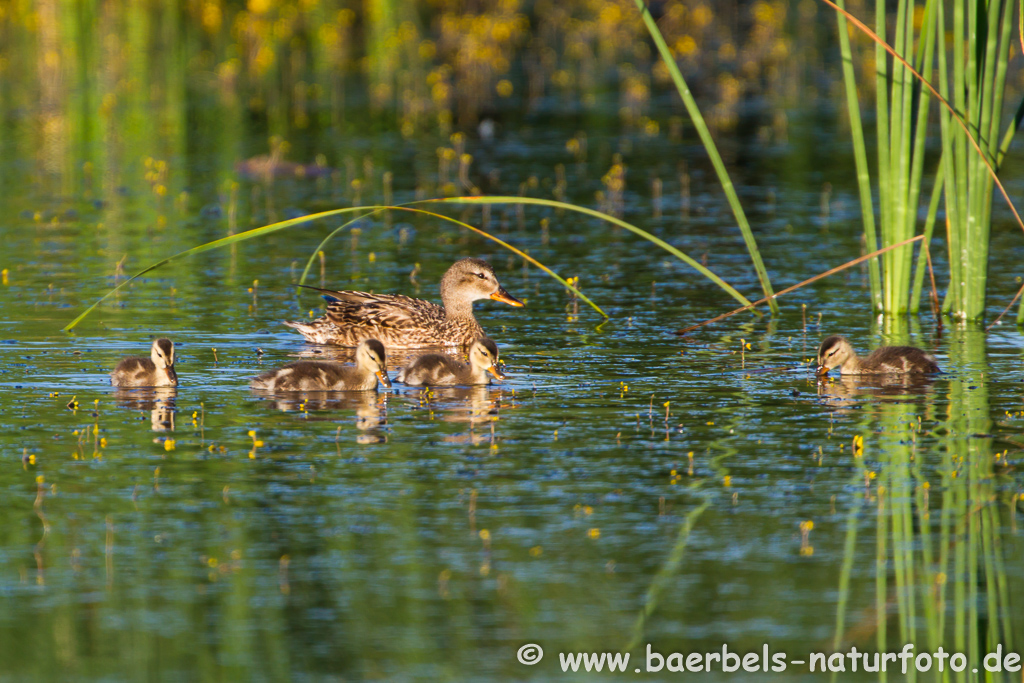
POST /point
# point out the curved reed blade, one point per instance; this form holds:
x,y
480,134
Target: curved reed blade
x,y
510,248
860,157
605,217
712,150
808,281
403,207
216,244
330,236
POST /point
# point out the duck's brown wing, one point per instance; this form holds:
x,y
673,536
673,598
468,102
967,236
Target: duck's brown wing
x,y
901,359
135,364
384,311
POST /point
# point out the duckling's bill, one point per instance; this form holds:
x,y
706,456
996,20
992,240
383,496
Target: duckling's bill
x,y
504,297
384,379
496,371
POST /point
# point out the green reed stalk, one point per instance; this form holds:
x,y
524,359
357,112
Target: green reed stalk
x,y
667,571
929,229
860,156
849,556
712,150
930,597
881,574
971,148
901,119
984,34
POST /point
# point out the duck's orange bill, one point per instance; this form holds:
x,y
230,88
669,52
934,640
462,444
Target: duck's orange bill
x,y
821,371
495,371
384,379
505,297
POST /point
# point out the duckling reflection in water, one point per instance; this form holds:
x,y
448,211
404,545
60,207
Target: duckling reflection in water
x,y
849,390
836,352
315,375
477,406
158,401
155,371
371,409
434,369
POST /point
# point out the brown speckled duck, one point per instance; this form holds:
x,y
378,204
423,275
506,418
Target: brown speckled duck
x,y
836,352
321,375
434,369
155,371
401,322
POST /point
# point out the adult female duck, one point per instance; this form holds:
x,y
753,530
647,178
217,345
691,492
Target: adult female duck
x,y
401,322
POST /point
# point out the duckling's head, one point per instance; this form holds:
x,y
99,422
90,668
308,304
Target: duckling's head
x,y
833,352
471,279
162,355
370,354
484,354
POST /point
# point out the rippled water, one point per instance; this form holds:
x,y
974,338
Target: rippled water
x,y
624,486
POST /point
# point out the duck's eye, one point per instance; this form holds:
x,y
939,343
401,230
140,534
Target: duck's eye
x,y
481,276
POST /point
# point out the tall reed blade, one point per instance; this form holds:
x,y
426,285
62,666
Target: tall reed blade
x,y
712,150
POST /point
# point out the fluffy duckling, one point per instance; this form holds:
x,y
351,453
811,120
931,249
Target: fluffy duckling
x,y
836,352
435,368
319,375
402,322
155,371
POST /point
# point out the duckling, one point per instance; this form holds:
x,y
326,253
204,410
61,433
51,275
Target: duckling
x,y
436,368
401,322
836,351
155,371
320,375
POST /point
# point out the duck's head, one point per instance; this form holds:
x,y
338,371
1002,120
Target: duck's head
x,y
832,353
370,354
471,279
162,355
484,354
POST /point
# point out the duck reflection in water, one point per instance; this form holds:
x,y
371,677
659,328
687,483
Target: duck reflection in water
x,y
848,390
477,406
370,408
159,401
